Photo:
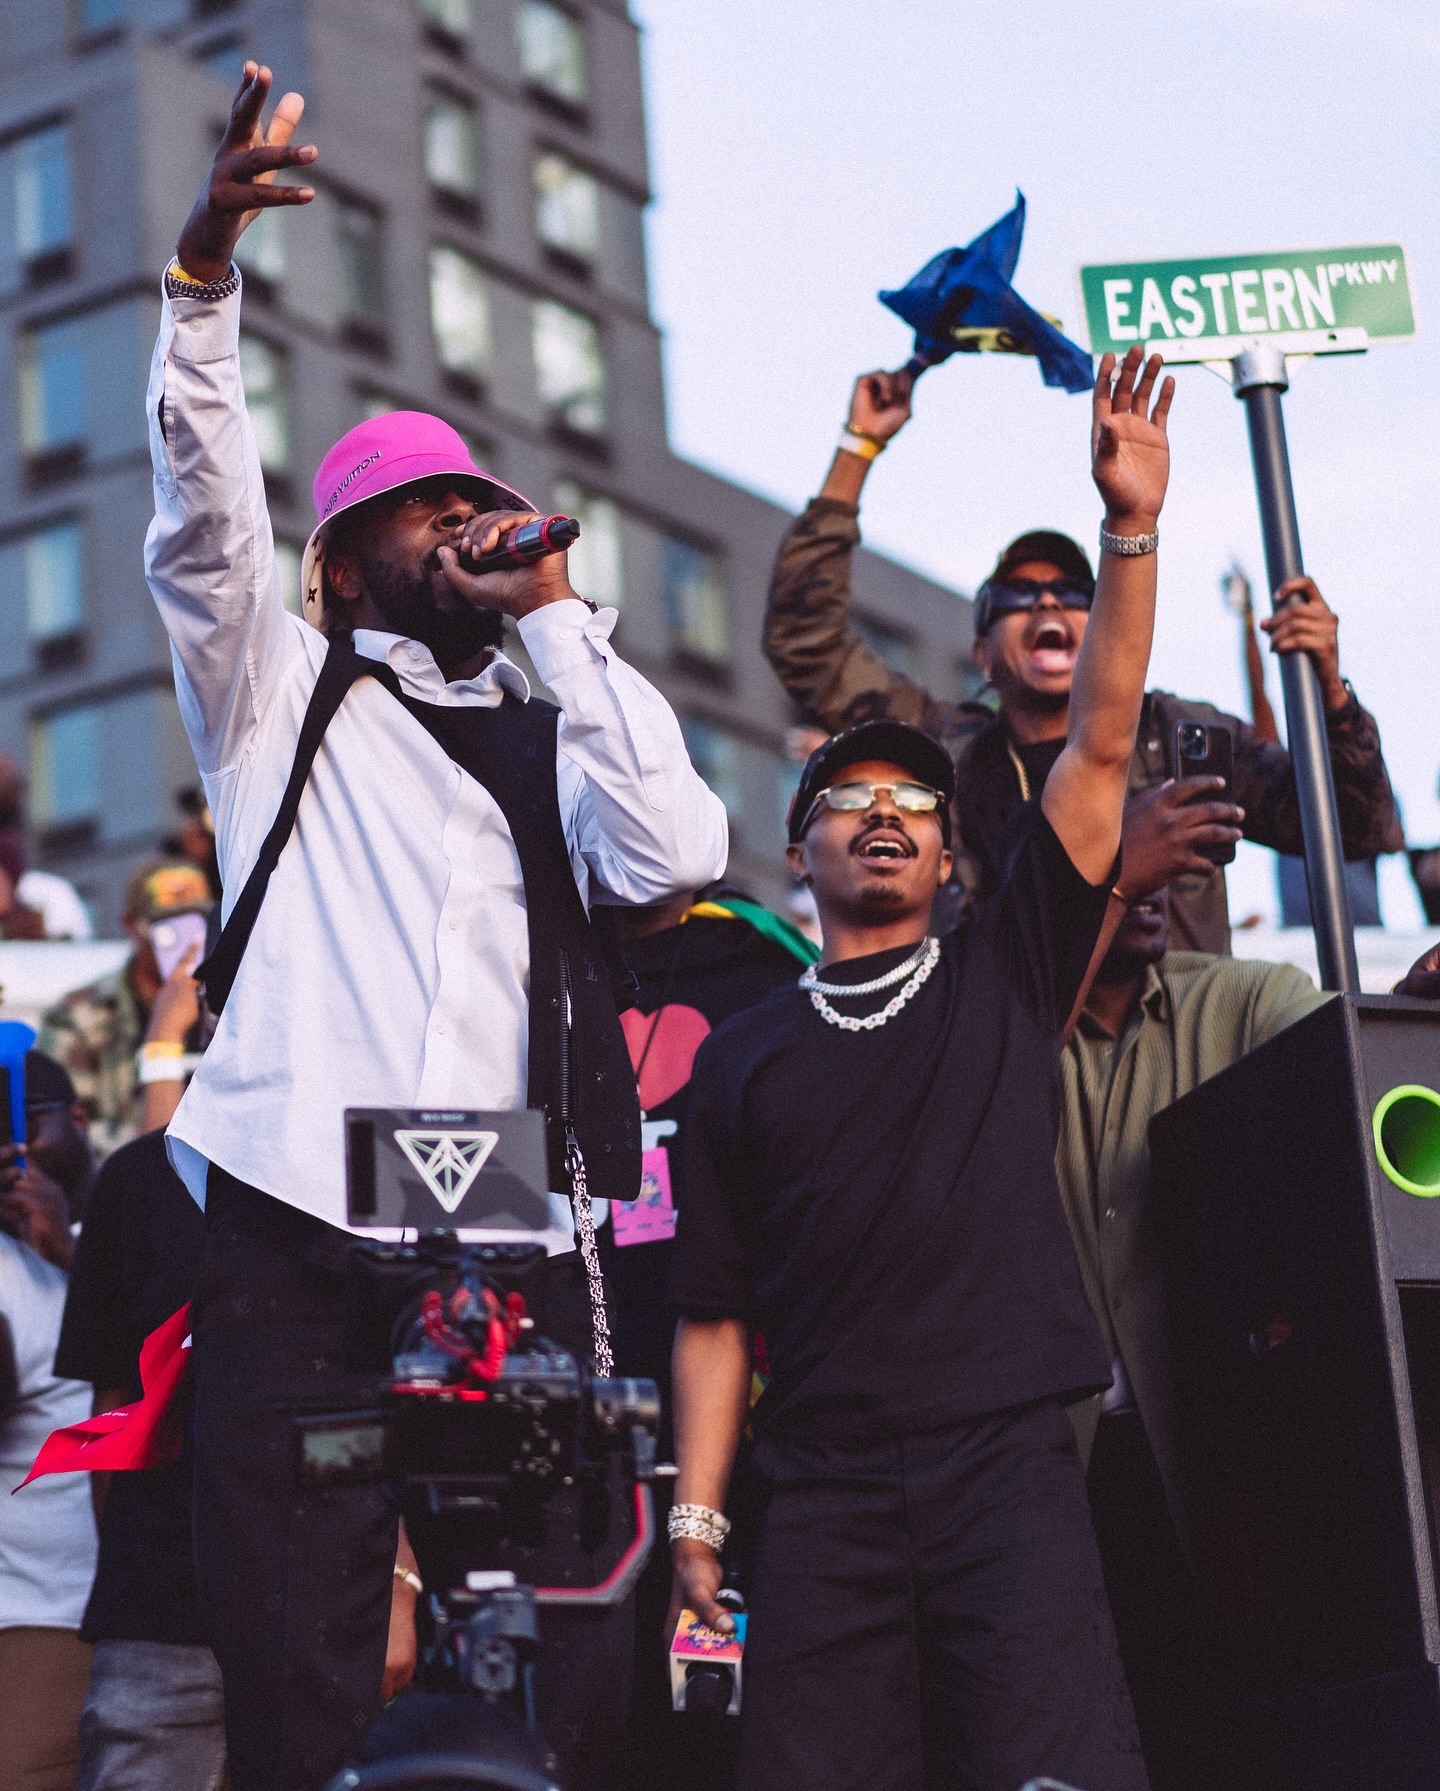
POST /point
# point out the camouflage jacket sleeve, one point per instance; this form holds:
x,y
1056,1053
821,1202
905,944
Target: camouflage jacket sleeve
x,y
1264,781
818,654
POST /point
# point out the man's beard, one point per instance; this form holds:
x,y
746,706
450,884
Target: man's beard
x,y
406,600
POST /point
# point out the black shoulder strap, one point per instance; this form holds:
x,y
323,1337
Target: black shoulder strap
x,y
341,668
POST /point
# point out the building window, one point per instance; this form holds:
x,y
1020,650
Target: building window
x,y
787,781
567,207
569,366
452,146
288,559
263,376
65,768
713,754
100,15
37,170
595,565
360,237
52,388
224,58
82,388
54,583
42,600
95,771
552,50
694,600
449,18
260,252
460,314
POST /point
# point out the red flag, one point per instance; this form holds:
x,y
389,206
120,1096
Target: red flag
x,y
132,1436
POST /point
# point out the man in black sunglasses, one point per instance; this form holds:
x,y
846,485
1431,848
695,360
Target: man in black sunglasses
x,y
1029,619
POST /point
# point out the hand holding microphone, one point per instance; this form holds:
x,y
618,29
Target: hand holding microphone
x,y
500,561
520,546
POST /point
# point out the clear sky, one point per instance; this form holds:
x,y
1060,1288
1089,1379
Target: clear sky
x,y
808,152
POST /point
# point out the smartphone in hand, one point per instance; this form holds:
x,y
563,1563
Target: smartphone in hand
x,y
1202,751
172,937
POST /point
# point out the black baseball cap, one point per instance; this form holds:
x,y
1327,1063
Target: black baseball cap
x,y
47,1084
895,742
1049,545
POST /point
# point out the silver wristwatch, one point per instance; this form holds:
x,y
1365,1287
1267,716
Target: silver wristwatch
x,y
1128,546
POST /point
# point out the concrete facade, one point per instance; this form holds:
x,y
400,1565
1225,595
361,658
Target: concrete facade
x,y
485,156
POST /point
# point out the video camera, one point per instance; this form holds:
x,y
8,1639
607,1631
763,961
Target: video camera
x,y
510,1462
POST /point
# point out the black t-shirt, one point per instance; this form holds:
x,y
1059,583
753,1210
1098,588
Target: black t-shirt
x,y
882,1205
719,968
136,1264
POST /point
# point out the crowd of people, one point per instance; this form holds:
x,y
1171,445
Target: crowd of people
x,y
874,1214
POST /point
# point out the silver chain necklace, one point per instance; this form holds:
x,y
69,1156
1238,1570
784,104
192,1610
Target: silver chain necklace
x,y
917,967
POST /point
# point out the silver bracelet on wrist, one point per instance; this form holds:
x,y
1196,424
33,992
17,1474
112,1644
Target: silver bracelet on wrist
x,y
698,1523
208,290
1128,546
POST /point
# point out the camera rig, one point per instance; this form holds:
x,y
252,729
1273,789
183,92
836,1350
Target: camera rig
x,y
512,1465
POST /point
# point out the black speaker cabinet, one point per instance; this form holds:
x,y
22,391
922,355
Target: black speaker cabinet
x,y
1297,1205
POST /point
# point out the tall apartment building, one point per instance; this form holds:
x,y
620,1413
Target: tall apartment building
x,y
476,249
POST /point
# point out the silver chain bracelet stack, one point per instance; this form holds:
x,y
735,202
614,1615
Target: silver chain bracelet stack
x,y
698,1523
208,290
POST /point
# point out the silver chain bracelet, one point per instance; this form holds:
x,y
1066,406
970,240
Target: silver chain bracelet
x,y
698,1523
207,290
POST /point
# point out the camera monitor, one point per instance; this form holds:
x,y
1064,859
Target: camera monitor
x,y
482,1173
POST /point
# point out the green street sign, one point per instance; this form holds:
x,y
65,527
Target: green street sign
x,y
1305,301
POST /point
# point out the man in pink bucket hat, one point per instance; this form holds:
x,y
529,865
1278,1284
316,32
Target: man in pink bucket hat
x,y
410,849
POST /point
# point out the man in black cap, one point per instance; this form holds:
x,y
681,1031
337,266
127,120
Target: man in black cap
x,y
871,1187
1029,619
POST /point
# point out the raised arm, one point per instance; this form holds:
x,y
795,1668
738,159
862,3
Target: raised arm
x,y
1130,455
209,556
809,636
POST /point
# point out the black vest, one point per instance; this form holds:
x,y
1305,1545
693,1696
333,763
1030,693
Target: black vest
x,y
510,751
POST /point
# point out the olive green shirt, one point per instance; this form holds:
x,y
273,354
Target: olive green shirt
x,y
1196,1016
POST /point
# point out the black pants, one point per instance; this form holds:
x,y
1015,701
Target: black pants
x,y
1163,1626
295,1586
930,1613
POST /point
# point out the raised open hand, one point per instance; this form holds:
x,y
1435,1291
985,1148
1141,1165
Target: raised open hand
x,y
241,180
1129,450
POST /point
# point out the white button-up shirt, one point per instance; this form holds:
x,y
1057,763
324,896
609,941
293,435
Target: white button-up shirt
x,y
390,962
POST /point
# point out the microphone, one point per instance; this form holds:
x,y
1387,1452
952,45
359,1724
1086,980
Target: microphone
x,y
529,542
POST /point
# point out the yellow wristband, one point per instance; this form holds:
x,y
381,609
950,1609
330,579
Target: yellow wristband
x,y
863,446
177,272
154,1050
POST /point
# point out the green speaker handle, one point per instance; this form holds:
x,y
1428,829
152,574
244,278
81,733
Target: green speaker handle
x,y
1406,1124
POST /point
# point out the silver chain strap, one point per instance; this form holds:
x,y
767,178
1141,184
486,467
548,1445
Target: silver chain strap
x,y
589,1254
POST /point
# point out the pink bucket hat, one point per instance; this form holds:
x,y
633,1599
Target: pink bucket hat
x,y
378,456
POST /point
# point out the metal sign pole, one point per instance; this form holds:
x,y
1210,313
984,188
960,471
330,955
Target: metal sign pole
x,y
1260,379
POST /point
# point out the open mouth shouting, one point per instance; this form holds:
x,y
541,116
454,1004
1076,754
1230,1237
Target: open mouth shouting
x,y
1050,644
884,844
